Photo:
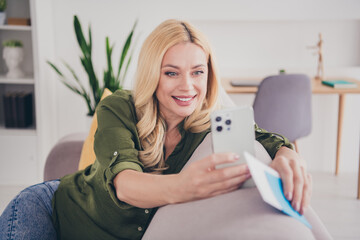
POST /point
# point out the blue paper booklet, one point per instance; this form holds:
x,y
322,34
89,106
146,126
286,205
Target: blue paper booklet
x,y
339,83
268,182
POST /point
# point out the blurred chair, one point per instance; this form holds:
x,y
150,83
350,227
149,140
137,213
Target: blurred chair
x,y
283,105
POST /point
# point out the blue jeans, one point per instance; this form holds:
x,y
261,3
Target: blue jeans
x,y
28,215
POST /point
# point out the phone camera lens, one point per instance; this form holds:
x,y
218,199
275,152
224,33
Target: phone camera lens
x,y
218,119
219,128
228,122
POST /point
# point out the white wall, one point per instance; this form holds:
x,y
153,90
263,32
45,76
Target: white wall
x,y
250,38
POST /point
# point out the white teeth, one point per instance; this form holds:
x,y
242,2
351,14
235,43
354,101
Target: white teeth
x,y
184,99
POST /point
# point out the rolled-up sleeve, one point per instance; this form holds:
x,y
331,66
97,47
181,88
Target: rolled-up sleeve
x,y
272,142
116,142
115,150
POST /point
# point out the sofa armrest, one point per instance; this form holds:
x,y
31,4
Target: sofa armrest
x,y
64,157
240,214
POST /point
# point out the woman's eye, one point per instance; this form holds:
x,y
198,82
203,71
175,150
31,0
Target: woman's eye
x,y
171,74
198,72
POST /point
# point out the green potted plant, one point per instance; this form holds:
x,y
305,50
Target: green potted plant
x,y
13,55
111,80
2,13
12,43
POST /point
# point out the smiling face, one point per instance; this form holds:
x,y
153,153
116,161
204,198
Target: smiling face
x,y
183,81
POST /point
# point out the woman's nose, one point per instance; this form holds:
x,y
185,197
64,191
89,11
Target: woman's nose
x,y
187,83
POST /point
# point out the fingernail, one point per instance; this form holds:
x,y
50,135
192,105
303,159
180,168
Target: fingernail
x,y
248,175
289,196
236,157
297,207
303,210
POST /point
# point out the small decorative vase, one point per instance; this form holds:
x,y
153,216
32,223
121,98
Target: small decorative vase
x,y
13,57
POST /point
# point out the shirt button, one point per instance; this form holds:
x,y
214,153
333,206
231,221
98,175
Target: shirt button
x,y
115,153
146,211
139,229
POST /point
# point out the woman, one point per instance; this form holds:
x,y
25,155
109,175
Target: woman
x,y
142,142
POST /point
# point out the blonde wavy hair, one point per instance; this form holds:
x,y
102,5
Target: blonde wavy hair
x,y
151,126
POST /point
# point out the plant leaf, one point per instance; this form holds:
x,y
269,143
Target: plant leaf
x,y
110,77
71,87
81,92
125,49
90,41
55,68
125,72
93,96
94,84
76,78
80,36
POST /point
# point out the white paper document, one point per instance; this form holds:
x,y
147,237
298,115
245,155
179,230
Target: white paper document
x,y
269,183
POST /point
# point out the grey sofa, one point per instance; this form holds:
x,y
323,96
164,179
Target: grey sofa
x,y
238,215
64,157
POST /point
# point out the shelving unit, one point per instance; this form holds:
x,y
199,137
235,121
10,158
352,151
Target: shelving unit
x,y
19,146
18,9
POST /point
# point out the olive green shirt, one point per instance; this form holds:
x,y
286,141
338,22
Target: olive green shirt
x,y
85,205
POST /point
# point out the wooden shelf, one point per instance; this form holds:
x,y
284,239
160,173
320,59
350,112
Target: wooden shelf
x,y
15,28
26,80
30,131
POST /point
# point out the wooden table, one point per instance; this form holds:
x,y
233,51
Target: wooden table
x,y
317,88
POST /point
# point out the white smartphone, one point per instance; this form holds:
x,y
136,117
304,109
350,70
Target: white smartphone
x,y
233,131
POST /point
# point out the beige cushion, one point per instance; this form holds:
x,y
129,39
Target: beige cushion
x,y
87,156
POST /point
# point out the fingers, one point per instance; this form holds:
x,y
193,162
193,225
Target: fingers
x,y
215,159
223,174
228,185
298,181
286,175
202,180
306,193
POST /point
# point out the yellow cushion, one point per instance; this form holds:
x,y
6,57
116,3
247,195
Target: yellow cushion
x,y
87,153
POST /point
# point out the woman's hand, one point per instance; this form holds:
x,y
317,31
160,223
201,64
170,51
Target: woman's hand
x,y
201,180
297,182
